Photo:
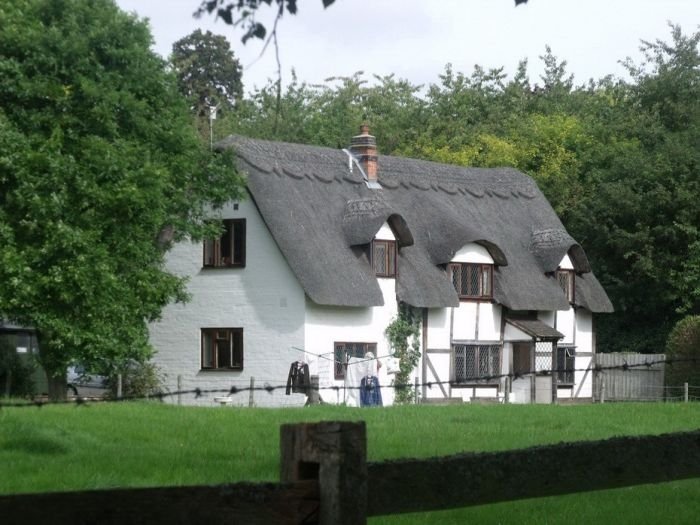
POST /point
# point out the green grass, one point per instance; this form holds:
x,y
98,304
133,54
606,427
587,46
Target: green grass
x,y
140,444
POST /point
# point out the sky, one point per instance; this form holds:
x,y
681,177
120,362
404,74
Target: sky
x,y
415,39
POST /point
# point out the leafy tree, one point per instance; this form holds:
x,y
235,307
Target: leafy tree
x,y
242,13
207,72
684,345
100,170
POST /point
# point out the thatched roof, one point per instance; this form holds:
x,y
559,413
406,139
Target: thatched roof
x,y
320,214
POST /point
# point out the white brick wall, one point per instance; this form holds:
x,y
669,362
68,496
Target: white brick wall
x,y
264,298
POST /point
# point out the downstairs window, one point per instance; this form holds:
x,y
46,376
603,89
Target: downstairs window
x,y
343,351
222,348
472,362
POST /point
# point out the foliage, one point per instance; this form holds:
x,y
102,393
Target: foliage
x,y
208,74
684,343
617,159
139,380
403,334
243,12
15,374
100,170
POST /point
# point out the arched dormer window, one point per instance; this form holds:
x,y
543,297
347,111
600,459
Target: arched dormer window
x,y
566,277
471,273
383,252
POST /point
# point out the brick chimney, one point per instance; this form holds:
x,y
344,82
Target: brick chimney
x,y
364,148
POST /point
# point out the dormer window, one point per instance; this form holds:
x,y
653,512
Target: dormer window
x,y
472,281
566,280
229,249
384,258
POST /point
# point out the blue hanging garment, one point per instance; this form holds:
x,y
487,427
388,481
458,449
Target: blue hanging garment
x,y
370,393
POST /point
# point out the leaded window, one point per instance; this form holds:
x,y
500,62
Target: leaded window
x,y
472,281
344,351
476,363
384,258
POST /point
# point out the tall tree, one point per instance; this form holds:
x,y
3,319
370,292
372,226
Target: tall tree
x,y
208,73
100,169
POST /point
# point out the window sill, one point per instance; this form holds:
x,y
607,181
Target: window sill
x,y
485,384
476,300
228,267
215,370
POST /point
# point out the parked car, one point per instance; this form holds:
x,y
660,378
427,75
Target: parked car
x,y
81,383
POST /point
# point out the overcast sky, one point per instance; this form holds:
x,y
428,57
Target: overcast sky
x,y
415,39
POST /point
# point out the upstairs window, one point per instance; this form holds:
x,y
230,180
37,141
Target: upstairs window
x,y
222,348
472,281
229,249
567,283
384,258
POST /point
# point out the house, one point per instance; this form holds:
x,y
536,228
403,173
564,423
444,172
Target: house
x,y
312,265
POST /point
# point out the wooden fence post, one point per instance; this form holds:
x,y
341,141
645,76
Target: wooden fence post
x,y
506,398
335,453
685,392
119,386
602,390
251,392
179,389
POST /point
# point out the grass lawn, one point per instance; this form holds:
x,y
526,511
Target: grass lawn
x,y
150,444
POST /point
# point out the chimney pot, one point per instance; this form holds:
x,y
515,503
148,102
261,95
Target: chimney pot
x,y
364,147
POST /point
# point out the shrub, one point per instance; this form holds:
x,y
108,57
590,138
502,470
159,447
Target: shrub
x,y
684,343
139,380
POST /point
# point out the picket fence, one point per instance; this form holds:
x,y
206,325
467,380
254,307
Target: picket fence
x,y
326,479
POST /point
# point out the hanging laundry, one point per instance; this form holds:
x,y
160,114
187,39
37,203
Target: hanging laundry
x,y
370,393
298,380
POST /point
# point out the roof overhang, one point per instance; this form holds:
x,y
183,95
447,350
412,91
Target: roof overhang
x,y
536,329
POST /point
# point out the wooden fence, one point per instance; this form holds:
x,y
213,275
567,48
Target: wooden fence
x,y
639,383
326,479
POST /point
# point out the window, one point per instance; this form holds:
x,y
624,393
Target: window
x,y
566,359
475,361
343,351
222,348
566,281
472,281
229,249
384,258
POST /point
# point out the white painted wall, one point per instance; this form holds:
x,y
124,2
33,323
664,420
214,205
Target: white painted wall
x,y
326,325
264,298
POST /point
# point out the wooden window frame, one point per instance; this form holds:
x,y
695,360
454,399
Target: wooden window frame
x,y
341,347
478,348
230,335
483,269
391,254
234,245
569,287
566,374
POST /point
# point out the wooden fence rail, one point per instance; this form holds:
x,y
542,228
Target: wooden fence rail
x,y
326,479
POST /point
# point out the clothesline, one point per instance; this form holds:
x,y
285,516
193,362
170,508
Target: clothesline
x,y
323,356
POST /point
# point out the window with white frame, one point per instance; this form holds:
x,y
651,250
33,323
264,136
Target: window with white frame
x,y
476,363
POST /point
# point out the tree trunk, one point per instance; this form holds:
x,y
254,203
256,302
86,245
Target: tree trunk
x,y
57,385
